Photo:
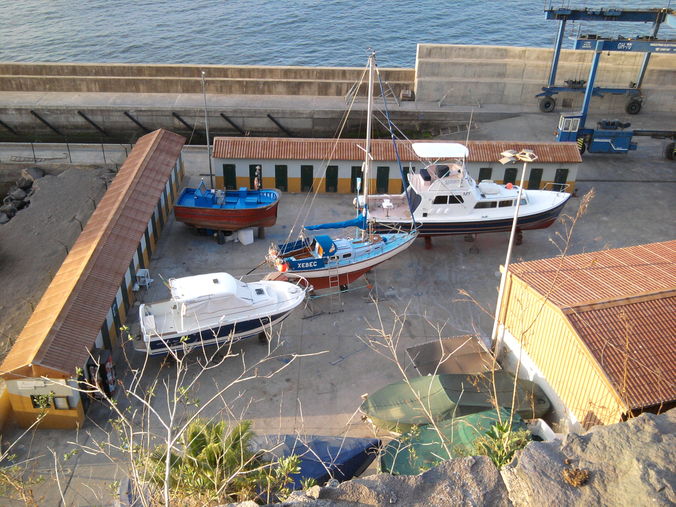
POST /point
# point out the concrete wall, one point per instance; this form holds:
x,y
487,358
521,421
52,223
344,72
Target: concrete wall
x,y
236,80
462,75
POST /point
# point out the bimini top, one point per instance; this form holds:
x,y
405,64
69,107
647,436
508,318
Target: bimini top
x,y
201,287
440,151
327,244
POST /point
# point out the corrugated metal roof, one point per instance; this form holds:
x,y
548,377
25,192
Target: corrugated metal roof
x,y
635,344
604,275
61,331
622,305
283,148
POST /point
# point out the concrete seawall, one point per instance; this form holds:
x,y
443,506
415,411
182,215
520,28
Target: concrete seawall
x,y
233,80
458,75
448,82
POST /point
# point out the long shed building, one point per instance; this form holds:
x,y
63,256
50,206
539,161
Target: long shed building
x,y
330,165
70,337
597,330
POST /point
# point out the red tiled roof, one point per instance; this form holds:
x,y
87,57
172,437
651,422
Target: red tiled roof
x,y
61,331
622,305
284,148
635,345
603,275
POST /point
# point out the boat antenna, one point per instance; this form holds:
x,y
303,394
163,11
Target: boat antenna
x,y
469,128
369,114
206,127
390,128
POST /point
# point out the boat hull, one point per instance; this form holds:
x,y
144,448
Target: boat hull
x,y
528,222
225,217
333,277
225,334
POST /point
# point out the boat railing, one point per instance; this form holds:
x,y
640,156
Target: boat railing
x,y
556,187
293,278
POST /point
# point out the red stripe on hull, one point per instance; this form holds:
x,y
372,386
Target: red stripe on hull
x,y
343,279
226,220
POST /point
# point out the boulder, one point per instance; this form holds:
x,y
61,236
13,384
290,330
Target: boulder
x,y
464,481
629,463
3,218
32,173
17,194
8,209
24,183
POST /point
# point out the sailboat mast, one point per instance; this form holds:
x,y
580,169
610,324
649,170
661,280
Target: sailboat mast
x,y
369,115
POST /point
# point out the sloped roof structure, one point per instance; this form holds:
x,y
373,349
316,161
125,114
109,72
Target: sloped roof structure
x,y
622,305
63,328
284,148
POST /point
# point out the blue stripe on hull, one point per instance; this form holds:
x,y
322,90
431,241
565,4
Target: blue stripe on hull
x,y
216,336
502,225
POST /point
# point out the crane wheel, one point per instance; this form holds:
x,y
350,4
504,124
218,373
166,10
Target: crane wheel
x,y
547,104
581,145
670,151
633,106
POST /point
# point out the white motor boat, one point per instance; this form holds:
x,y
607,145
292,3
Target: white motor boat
x,y
214,309
443,199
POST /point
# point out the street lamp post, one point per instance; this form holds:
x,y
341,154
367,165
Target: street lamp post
x,y
509,156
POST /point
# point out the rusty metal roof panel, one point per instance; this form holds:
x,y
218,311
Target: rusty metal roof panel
x,y
280,148
635,345
67,319
604,275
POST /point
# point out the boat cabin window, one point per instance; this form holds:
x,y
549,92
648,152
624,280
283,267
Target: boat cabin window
x,y
260,292
347,255
524,201
506,204
486,204
442,171
448,199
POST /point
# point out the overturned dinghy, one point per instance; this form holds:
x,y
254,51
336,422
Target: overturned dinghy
x,y
427,446
400,406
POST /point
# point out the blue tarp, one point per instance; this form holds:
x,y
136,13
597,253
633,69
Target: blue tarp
x,y
323,458
326,243
359,221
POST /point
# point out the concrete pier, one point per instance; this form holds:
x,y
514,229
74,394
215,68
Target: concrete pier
x,y
448,84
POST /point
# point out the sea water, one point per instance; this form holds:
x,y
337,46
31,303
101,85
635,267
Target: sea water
x,y
280,32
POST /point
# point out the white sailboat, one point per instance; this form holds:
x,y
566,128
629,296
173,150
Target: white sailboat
x,y
327,261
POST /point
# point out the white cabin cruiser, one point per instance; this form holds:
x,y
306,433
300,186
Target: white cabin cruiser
x,y
443,199
213,309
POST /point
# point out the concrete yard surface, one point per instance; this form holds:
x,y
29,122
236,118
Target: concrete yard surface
x,y
333,351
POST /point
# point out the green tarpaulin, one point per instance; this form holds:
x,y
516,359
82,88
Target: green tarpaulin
x,y
399,406
422,448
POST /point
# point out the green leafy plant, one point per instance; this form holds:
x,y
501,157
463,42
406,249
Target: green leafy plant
x,y
214,464
501,442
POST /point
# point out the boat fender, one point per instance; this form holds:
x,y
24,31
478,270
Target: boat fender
x,y
509,186
281,266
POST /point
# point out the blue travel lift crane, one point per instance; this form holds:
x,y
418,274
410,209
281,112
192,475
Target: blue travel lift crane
x,y
547,102
610,136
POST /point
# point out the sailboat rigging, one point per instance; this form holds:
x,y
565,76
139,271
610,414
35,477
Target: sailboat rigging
x,y
328,262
